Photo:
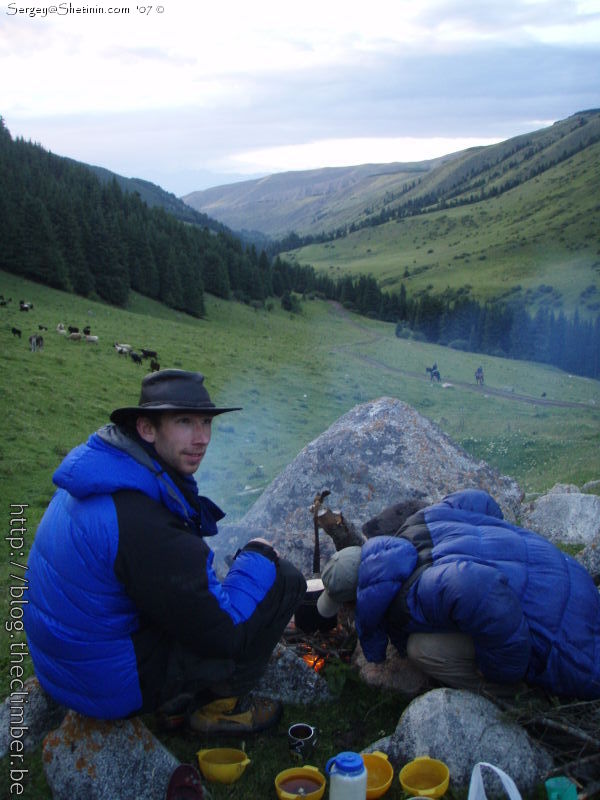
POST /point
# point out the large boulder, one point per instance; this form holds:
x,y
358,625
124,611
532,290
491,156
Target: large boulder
x,y
378,454
462,728
103,760
564,515
292,680
590,558
26,716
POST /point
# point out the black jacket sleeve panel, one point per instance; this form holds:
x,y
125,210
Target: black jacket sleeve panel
x,y
165,569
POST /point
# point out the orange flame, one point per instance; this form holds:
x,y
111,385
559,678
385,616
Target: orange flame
x,y
314,661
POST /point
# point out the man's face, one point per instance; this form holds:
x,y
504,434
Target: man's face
x,y
180,438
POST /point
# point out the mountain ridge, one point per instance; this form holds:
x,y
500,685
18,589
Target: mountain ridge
x,y
314,202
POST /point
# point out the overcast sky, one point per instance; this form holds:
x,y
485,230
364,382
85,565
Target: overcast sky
x,y
196,93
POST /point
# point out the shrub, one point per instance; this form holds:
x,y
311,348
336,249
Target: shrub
x,y
459,344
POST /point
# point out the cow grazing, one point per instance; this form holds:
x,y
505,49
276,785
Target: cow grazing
x,y
42,328
36,342
15,332
123,348
149,353
72,329
154,365
91,339
60,328
75,336
137,359
87,330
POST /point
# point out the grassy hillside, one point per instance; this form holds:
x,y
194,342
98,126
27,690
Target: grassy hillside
x,y
539,241
294,375
307,201
518,220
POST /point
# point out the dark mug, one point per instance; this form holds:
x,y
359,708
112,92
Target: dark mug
x,y
302,739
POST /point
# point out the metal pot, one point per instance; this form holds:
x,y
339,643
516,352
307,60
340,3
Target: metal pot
x,y
307,616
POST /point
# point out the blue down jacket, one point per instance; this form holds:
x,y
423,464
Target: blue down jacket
x,y
119,571
532,611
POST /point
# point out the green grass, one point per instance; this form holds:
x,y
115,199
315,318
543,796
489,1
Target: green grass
x,y
294,376
545,231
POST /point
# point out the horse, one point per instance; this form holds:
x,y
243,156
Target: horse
x,y
434,373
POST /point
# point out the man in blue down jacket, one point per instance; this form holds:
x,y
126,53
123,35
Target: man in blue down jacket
x,y
473,600
125,613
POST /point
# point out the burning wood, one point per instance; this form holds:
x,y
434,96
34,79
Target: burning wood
x,y
316,650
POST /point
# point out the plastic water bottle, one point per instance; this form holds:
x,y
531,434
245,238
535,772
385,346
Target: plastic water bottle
x,y
348,777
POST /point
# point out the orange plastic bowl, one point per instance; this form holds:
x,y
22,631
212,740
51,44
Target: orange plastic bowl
x,y
379,774
222,764
425,777
305,782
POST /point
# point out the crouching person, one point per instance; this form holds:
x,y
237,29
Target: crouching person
x,y
126,614
473,601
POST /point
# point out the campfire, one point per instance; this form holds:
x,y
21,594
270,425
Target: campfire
x,y
314,660
319,648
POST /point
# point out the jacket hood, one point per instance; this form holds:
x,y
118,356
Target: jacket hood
x,y
110,461
386,562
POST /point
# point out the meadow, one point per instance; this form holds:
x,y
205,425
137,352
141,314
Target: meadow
x,y
294,375
523,242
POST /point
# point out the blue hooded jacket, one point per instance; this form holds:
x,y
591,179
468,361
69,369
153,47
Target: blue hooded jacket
x,y
119,571
533,611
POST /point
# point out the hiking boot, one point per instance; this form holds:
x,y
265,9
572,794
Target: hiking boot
x,y
173,714
236,716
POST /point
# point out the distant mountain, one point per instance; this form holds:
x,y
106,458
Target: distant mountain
x,y
329,200
306,201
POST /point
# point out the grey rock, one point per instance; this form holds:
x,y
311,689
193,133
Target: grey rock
x,y
590,557
592,487
290,679
26,716
378,454
564,515
104,760
461,728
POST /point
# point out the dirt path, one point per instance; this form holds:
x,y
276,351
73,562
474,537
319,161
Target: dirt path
x,y
338,309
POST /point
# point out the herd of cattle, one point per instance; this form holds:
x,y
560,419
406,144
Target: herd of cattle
x,y
74,334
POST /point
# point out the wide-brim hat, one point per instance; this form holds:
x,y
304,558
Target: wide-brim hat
x,y
172,390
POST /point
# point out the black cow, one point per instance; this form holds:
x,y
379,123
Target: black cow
x,y
15,332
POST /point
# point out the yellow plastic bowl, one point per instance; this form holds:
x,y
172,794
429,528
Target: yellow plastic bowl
x,y
379,774
222,764
298,782
425,777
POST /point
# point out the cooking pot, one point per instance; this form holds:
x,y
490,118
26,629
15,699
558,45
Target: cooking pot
x,y
307,616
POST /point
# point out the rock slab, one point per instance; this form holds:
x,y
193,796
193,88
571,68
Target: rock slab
x,y
462,728
564,516
103,760
378,454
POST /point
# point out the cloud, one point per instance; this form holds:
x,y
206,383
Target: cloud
x,y
229,87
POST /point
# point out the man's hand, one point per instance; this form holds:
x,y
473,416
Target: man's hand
x,y
260,540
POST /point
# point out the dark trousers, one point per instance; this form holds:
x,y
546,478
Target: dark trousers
x,y
190,675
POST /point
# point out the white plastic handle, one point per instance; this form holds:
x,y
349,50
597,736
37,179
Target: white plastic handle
x,y
477,790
